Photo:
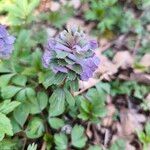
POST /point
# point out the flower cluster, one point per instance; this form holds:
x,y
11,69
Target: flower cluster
x,y
6,43
71,53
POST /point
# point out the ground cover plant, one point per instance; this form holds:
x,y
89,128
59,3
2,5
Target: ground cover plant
x,y
74,75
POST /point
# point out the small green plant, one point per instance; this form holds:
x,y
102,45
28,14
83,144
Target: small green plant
x,y
110,16
144,136
5,123
57,19
24,11
78,139
129,88
92,106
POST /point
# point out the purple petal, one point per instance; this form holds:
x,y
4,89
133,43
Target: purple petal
x,y
3,31
9,39
93,44
46,59
62,47
89,66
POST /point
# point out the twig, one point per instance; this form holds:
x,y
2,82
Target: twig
x,y
43,146
85,89
24,144
137,45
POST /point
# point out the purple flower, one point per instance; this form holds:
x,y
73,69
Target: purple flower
x,y
6,43
72,53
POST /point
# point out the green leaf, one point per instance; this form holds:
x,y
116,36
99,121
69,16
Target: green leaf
x,y
21,113
69,98
96,147
19,80
5,126
78,137
4,79
30,92
7,106
38,103
32,146
35,128
10,91
54,79
118,145
61,141
15,125
56,123
61,54
21,95
32,5
147,129
83,115
85,105
74,85
77,68
9,144
105,86
71,76
4,67
57,103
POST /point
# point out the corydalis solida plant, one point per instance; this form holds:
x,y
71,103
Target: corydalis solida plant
x,y
6,43
71,53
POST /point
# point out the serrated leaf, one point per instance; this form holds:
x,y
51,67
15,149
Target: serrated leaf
x,y
54,79
30,92
71,76
61,141
4,79
69,98
5,126
74,85
61,54
7,106
49,81
35,128
57,103
56,123
78,137
21,95
77,68
105,86
38,103
19,80
9,91
21,113
15,125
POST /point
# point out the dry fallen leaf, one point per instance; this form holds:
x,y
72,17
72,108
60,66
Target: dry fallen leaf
x,y
131,121
129,146
123,59
108,120
51,32
145,61
54,6
106,66
75,3
75,22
